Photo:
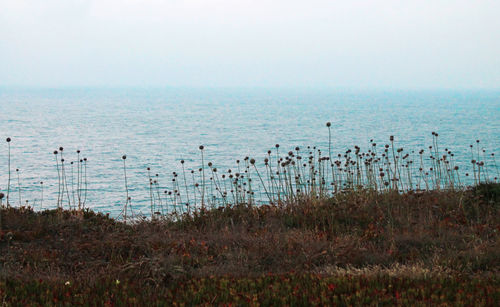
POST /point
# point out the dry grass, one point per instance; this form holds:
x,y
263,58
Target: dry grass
x,y
363,233
453,230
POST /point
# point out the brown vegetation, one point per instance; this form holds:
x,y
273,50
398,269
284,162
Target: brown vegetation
x,y
455,230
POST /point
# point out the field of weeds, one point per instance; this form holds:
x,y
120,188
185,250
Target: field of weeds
x,y
360,247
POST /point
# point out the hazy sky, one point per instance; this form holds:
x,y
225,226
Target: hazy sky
x,y
275,43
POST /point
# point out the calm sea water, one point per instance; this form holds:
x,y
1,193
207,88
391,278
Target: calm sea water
x,y
158,128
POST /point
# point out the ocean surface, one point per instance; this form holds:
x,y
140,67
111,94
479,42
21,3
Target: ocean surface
x,y
158,128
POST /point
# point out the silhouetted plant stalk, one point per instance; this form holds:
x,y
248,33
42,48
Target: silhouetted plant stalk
x,y
64,181
85,182
203,179
8,182
78,179
58,180
41,196
72,183
127,198
19,187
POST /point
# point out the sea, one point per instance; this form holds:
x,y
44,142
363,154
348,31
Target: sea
x,y
157,128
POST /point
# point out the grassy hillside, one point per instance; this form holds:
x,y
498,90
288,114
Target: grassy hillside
x,y
359,247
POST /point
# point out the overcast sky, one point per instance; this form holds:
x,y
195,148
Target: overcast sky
x,y
240,43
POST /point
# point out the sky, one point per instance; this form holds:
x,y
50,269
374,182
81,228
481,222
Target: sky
x,y
250,43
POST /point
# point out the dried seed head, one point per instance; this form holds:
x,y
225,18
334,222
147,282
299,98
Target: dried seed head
x,y
182,161
252,161
8,140
328,124
61,148
55,152
201,147
124,157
